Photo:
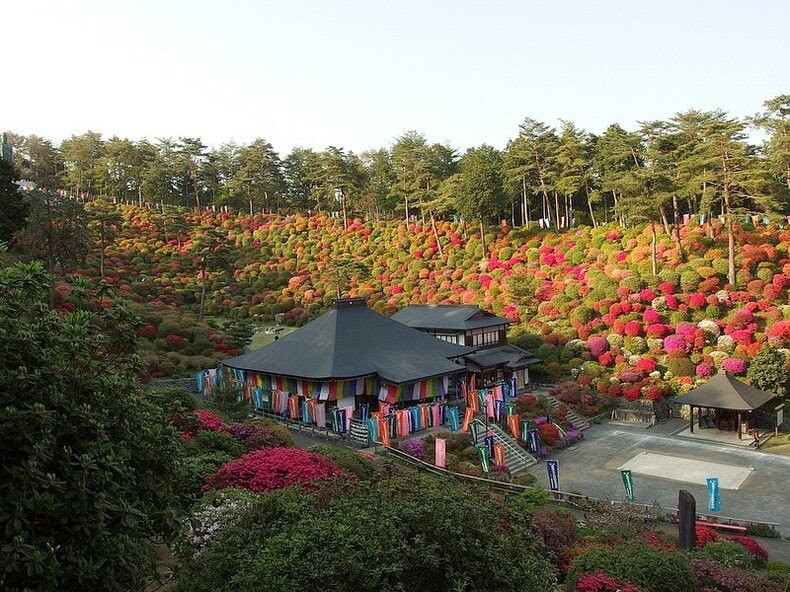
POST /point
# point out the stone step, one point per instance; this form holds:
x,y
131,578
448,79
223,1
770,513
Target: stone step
x,y
516,458
576,420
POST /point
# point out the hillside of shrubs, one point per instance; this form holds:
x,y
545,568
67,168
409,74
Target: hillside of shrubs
x,y
586,300
269,516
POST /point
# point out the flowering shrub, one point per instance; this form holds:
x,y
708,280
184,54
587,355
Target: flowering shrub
x,y
209,420
599,582
734,365
705,535
549,434
413,447
760,555
265,470
710,576
213,513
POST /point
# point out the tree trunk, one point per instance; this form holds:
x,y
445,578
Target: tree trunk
x,y
202,289
101,249
483,236
664,221
436,234
557,210
589,203
653,247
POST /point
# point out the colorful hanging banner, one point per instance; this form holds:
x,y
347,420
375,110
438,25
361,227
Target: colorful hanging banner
x,y
320,415
441,447
510,409
525,427
513,387
498,409
474,429
553,467
628,482
499,455
453,419
534,442
714,502
482,455
364,410
489,442
384,431
469,415
512,423
373,429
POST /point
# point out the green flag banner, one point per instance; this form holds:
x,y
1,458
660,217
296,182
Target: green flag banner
x,y
482,454
474,428
628,481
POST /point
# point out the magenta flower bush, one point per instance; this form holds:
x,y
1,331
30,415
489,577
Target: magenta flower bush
x,y
734,365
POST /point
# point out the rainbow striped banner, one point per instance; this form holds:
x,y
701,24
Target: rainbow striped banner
x,y
323,391
417,391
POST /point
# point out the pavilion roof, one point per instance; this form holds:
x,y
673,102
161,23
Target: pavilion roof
x,y
350,341
726,392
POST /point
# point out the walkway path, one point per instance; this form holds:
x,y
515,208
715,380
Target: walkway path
x,y
592,468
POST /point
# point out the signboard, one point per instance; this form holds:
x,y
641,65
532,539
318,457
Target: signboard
x,y
553,467
628,482
534,441
714,502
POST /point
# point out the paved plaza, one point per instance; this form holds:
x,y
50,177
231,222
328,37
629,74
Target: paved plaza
x,y
671,463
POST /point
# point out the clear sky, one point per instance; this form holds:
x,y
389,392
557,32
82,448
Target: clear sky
x,y
359,73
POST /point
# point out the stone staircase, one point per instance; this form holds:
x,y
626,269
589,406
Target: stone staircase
x,y
573,418
359,432
517,459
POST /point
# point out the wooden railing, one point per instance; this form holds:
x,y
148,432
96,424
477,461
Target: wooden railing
x,y
574,500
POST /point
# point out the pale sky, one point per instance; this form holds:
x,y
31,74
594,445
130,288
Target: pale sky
x,y
357,74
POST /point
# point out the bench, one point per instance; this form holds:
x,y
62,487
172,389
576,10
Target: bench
x,y
727,527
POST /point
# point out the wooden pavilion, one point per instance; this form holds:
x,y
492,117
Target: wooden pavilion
x,y
728,401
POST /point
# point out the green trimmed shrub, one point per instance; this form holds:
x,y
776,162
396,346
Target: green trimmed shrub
x,y
651,569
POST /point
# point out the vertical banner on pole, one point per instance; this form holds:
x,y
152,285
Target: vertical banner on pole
x,y
453,419
714,502
384,431
499,455
553,467
469,415
373,429
512,423
482,454
534,441
513,387
440,452
628,482
474,429
525,430
489,442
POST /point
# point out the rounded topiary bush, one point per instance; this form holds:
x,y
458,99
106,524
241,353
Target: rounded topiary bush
x,y
266,470
651,569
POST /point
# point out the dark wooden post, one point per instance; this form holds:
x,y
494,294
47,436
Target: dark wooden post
x,y
687,508
691,418
738,427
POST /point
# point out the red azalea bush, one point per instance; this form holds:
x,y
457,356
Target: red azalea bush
x,y
265,470
754,548
599,582
705,535
549,434
209,421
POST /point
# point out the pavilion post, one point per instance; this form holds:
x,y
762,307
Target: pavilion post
x,y
691,419
739,426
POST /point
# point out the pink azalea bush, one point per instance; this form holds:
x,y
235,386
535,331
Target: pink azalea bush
x,y
734,365
266,470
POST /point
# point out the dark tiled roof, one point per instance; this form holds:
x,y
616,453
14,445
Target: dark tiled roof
x,y
350,340
725,392
509,356
447,316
